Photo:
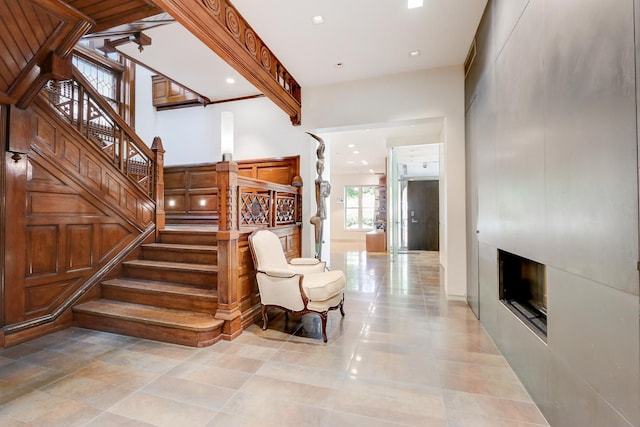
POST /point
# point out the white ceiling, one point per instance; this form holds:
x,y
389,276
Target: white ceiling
x,y
369,38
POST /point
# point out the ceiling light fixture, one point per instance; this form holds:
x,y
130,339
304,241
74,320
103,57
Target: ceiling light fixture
x,y
317,19
351,145
364,162
371,170
230,80
412,4
356,152
414,53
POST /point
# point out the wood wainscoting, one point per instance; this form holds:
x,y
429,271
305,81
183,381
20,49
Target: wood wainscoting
x,y
191,193
69,214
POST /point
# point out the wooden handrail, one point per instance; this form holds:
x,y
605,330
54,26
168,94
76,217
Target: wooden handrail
x,y
259,184
88,87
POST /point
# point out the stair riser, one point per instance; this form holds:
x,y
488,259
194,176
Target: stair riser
x,y
147,331
169,300
188,239
188,256
208,280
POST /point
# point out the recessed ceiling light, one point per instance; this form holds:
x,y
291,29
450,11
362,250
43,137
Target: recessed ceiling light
x,y
230,80
356,152
317,19
364,162
412,4
351,145
370,170
414,53
349,162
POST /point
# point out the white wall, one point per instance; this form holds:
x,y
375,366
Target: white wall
x,y
336,217
411,96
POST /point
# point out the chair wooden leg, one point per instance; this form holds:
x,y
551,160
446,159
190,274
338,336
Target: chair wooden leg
x,y
265,319
323,317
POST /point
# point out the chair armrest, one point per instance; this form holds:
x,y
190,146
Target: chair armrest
x,y
304,261
306,265
279,272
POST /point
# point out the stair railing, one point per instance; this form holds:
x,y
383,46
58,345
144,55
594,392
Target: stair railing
x,y
78,103
262,203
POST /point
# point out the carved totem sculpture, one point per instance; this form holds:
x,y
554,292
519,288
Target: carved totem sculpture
x,y
323,189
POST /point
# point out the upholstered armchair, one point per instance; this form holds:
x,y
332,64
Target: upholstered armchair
x,y
300,286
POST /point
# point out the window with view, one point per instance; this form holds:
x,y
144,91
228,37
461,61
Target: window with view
x,y
359,207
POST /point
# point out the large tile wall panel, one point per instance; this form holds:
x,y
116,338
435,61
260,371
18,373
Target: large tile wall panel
x,y
591,159
506,14
572,403
520,136
484,57
471,126
488,224
488,287
526,352
593,330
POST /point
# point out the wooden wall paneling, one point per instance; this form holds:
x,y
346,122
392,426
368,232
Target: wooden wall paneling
x,y
4,143
15,169
279,171
36,40
279,175
64,227
95,172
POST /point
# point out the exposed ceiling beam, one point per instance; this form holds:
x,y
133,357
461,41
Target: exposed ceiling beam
x,y
219,26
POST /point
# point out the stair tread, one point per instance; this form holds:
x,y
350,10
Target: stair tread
x,y
165,287
183,247
172,265
158,316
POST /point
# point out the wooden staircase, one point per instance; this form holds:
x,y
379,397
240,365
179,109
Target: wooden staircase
x,y
168,295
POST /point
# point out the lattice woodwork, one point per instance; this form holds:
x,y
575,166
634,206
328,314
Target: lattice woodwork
x,y
254,209
285,209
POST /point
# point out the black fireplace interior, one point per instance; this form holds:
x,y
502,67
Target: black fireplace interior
x,y
523,290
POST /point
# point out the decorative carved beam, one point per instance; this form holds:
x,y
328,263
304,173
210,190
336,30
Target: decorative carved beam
x,y
219,25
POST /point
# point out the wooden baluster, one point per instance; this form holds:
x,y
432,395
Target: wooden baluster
x,y
273,209
228,262
158,183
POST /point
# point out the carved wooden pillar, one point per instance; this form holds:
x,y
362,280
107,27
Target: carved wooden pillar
x,y
158,183
228,232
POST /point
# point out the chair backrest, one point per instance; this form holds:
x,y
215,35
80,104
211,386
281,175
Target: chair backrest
x,y
267,251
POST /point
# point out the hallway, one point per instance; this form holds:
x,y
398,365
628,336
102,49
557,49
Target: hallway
x,y
402,355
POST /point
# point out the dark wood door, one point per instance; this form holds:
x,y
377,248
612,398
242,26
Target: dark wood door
x,y
423,215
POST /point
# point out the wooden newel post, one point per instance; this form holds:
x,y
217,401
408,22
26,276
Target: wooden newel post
x,y
158,182
228,233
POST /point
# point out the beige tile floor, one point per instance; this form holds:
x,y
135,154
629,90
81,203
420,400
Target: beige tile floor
x,y
403,355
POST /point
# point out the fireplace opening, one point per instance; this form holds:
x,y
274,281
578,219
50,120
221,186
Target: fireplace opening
x,y
523,290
